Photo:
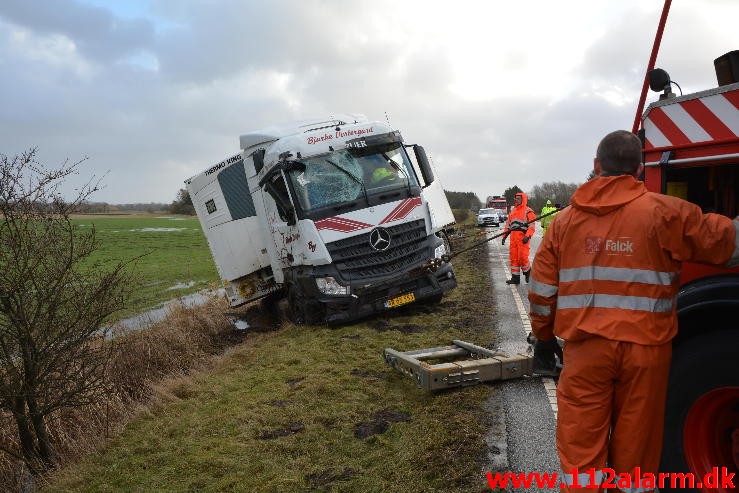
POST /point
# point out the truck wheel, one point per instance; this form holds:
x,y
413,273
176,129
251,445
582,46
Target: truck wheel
x,y
447,243
270,304
702,412
300,310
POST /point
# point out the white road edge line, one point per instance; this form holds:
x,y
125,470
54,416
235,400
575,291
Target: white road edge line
x,y
549,386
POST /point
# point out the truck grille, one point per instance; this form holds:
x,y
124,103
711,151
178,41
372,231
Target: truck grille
x,y
356,259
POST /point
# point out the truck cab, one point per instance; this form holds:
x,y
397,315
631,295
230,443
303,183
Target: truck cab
x,y
341,218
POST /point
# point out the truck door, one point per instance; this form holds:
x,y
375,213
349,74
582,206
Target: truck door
x,y
281,219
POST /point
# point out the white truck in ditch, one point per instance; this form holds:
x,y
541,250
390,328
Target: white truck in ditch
x,y
334,213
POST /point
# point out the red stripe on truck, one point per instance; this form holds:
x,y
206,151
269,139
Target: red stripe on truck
x,y
402,210
341,224
707,120
668,128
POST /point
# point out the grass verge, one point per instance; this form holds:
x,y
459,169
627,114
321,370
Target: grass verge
x,y
311,409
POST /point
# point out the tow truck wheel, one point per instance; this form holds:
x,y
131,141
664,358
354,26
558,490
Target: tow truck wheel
x,y
702,412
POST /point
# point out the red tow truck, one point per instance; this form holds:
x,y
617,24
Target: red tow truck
x,y
497,202
691,150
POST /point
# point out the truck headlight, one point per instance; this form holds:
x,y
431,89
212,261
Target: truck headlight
x,y
439,251
331,287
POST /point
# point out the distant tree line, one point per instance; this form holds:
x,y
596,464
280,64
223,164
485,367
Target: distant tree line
x,y
181,205
557,191
462,200
106,208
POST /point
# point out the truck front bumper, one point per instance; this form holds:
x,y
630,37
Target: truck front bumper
x,y
370,298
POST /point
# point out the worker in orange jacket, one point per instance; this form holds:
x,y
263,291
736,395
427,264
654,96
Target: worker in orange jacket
x,y
605,279
520,234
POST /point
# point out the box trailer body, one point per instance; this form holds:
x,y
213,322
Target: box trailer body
x,y
334,212
691,150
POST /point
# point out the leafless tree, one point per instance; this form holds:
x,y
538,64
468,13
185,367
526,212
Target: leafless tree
x,y
54,298
558,192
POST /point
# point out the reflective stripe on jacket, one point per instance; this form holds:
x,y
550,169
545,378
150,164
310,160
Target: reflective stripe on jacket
x,y
610,264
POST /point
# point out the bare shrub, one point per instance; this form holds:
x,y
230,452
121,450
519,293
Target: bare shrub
x,y
184,341
54,298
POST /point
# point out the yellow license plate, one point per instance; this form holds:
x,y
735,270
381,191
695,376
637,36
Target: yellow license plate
x,y
403,299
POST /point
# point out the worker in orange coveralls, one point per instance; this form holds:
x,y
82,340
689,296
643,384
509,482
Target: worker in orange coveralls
x,y
605,279
520,234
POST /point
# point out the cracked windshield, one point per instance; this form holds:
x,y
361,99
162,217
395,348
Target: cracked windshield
x,y
344,176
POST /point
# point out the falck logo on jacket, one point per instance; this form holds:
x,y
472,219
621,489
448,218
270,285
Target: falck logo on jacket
x,y
593,244
619,246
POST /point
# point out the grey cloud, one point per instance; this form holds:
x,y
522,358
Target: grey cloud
x,y
620,56
523,141
216,79
96,32
281,35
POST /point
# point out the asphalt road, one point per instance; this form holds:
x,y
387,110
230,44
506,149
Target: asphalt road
x,y
523,412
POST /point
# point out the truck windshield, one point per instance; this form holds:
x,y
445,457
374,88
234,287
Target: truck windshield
x,y
350,175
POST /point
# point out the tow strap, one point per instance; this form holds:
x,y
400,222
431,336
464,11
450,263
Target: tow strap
x,y
433,264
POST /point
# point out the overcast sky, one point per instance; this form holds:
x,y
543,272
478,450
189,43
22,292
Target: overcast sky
x,y
499,93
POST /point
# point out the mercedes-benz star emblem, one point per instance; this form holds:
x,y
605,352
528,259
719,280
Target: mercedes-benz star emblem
x,y
379,239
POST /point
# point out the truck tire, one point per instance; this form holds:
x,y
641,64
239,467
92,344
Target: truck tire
x,y
702,408
447,243
300,310
270,304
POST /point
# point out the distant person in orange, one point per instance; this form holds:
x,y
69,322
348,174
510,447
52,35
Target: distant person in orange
x,y
605,280
520,234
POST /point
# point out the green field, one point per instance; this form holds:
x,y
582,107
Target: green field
x,y
311,408
174,256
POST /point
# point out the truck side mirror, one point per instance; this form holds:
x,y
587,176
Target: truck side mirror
x,y
423,163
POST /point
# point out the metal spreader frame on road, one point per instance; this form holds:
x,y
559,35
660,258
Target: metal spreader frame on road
x,y
459,365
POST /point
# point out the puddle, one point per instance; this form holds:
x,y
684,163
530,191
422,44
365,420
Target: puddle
x,y
182,285
240,324
147,319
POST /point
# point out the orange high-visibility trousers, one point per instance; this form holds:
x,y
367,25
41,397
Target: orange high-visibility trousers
x,y
518,254
610,399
